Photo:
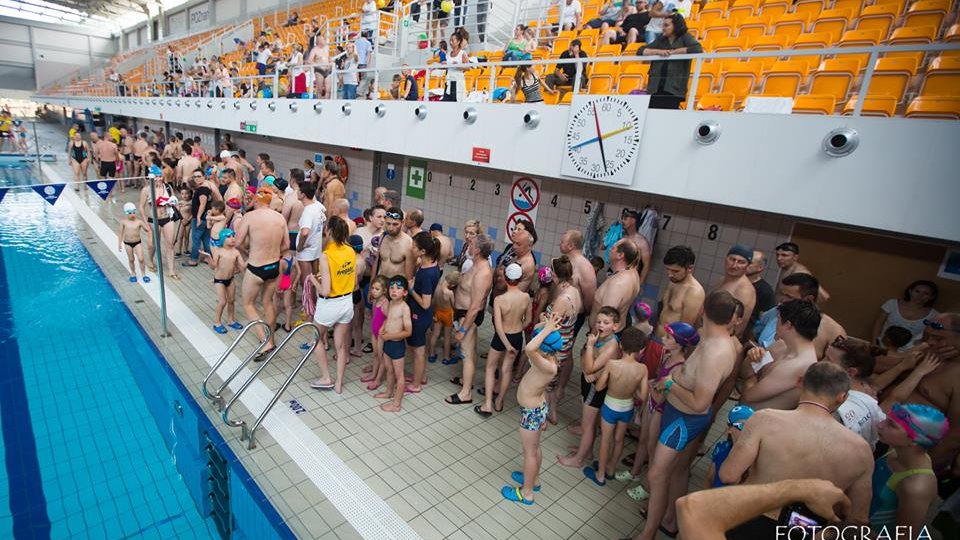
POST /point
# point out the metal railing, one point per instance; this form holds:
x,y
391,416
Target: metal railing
x,y
217,397
485,70
249,434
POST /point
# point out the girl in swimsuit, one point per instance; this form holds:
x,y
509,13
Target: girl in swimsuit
x,y
289,274
168,228
678,340
377,297
79,158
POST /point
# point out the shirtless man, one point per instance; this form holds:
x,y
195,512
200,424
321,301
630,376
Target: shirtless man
x,y
446,244
941,388
413,222
687,413
584,277
126,148
140,148
341,209
788,259
683,299
799,286
95,151
395,256
629,221
523,250
469,303
109,154
266,232
736,282
370,233
291,210
771,375
187,163
511,311
620,289
332,186
807,442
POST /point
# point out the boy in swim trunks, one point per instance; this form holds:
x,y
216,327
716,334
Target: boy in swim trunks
x,y
395,330
129,235
216,222
226,263
510,313
625,379
736,419
531,395
443,317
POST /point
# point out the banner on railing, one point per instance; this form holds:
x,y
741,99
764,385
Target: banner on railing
x,y
102,187
49,192
3,192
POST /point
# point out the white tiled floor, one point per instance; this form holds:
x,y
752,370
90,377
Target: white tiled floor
x,y
439,467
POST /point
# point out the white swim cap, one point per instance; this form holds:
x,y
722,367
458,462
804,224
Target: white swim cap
x,y
513,271
225,154
129,207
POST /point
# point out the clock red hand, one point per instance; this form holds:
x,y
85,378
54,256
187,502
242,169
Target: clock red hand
x,y
596,119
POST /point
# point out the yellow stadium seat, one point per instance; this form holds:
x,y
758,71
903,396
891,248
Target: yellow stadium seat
x,y
859,38
900,5
551,99
943,78
784,78
631,49
873,106
604,77
912,35
709,73
833,21
608,50
775,8
724,102
927,13
559,45
947,108
878,17
739,80
633,76
753,27
770,43
731,44
891,77
855,5
792,25
835,78
717,31
741,9
814,40
814,104
811,7
566,99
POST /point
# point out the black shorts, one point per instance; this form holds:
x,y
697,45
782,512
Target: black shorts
x,y
421,324
293,240
108,168
758,527
515,339
591,396
461,313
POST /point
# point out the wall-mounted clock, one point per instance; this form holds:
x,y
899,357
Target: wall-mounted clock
x,y
602,142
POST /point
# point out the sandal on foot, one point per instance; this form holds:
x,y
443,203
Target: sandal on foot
x,y
133,279
591,474
306,346
638,493
511,493
146,279
449,361
454,399
367,378
669,534
408,390
483,392
262,356
432,359
373,385
368,348
235,325
625,476
457,381
517,477
481,412
219,328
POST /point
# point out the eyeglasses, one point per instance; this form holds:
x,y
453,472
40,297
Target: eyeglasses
x,y
939,326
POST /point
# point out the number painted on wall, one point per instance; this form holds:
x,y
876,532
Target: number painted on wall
x,y
587,206
666,221
429,176
496,189
554,201
450,180
473,184
712,232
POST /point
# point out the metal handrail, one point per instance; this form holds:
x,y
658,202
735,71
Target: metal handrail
x,y
250,433
217,397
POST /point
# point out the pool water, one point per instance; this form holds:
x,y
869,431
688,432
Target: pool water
x,y
99,438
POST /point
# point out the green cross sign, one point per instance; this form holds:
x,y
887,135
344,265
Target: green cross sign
x,y
416,178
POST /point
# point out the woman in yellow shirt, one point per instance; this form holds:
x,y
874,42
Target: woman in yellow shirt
x,y
335,283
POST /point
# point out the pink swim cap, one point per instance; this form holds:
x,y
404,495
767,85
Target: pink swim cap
x,y
545,274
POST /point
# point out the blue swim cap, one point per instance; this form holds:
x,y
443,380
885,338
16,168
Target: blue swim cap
x,y
226,233
739,415
155,170
684,334
552,344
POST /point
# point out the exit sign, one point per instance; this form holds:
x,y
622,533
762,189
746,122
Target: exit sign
x,y
248,127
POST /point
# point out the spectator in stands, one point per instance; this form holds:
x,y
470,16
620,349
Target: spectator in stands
x,y
368,17
609,16
669,78
565,74
395,86
628,29
526,80
364,52
571,15
409,89
519,47
263,58
662,10
439,24
319,57
456,88
292,20
350,77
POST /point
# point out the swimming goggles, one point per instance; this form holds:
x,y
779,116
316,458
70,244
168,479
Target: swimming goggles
x,y
939,326
398,283
129,212
394,215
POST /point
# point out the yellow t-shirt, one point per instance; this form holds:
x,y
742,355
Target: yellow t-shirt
x,y
343,264
114,134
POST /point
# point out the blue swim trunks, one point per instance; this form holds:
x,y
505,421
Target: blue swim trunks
x,y
616,410
533,419
678,429
395,349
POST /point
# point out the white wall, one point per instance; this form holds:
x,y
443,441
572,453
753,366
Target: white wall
x,y
176,24
902,178
227,9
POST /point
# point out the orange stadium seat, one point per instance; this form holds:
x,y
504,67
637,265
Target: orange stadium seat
x,y
834,78
724,102
716,31
775,8
739,80
833,21
814,104
878,17
912,35
927,13
859,38
604,77
633,76
753,27
947,108
891,77
784,78
792,25
810,7
742,9
942,78
873,106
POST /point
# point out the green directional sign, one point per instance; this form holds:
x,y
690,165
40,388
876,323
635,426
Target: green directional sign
x,y
417,178
248,127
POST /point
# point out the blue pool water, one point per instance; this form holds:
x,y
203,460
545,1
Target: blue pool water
x,y
99,437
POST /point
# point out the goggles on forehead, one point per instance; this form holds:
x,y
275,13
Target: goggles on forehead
x,y
394,215
398,283
128,212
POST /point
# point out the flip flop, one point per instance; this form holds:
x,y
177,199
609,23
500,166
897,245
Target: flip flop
x,y
219,328
306,346
146,279
517,477
368,348
321,386
262,356
511,493
373,385
669,534
454,399
408,390
449,361
483,392
235,325
591,474
432,359
367,378
133,279
457,381
482,412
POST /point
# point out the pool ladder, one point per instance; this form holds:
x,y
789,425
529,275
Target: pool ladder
x,y
249,434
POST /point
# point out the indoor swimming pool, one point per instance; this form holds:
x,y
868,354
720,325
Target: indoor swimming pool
x,y
100,439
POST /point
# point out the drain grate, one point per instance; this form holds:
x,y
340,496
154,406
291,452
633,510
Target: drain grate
x,y
138,301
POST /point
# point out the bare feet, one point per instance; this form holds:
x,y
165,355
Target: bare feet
x,y
357,354
338,388
383,395
368,369
575,429
570,460
390,407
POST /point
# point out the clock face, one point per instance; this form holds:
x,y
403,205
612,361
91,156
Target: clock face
x,y
603,138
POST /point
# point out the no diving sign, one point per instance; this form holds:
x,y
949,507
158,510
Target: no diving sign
x,y
524,200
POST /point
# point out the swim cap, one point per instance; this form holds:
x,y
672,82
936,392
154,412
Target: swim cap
x,y
513,272
269,179
234,203
739,415
436,227
251,190
742,251
356,242
226,233
225,154
552,344
129,208
264,196
154,172
280,184
545,274
642,308
925,426
684,333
